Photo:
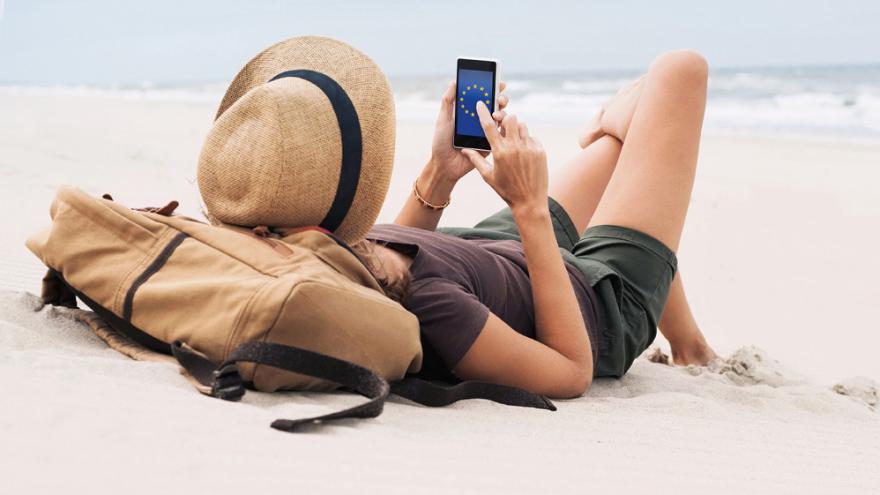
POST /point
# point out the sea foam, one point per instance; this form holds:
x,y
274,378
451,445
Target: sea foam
x,y
829,103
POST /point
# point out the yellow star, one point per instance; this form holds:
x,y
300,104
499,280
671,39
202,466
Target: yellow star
x,y
482,88
464,92
486,94
487,102
462,106
472,114
461,99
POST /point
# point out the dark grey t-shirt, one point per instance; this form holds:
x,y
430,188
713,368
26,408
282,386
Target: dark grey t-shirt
x,y
457,282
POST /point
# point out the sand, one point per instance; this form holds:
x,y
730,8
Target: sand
x,y
778,258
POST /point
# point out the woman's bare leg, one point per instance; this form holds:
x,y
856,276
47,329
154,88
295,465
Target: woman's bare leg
x,y
678,325
579,185
583,181
650,188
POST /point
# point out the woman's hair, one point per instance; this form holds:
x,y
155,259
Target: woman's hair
x,y
396,288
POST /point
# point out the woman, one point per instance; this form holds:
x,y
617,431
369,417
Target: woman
x,y
523,299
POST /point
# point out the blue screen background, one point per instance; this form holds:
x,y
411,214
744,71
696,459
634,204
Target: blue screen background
x,y
473,86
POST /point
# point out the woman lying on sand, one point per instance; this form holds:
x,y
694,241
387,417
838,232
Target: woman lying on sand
x,y
547,298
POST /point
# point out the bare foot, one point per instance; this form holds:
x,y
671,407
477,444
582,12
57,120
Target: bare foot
x,y
615,115
698,353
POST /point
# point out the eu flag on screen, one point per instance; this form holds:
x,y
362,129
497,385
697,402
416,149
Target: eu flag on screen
x,y
473,86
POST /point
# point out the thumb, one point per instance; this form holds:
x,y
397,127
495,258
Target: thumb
x,y
480,163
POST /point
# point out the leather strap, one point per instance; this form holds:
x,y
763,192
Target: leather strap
x,y
437,395
225,382
349,375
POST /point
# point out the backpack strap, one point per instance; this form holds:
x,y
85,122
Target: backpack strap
x,y
349,375
225,382
222,382
436,395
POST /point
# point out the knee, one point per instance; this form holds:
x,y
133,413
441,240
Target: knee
x,y
683,67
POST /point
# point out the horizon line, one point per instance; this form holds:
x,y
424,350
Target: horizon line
x,y
404,75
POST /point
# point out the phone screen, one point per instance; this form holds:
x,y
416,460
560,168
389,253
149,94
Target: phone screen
x,y
474,82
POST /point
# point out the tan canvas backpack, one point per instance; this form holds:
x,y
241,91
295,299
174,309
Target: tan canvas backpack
x,y
298,312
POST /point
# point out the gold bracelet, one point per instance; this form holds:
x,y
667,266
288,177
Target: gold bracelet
x,y
425,202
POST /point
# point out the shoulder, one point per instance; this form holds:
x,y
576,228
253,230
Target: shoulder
x,y
439,295
435,285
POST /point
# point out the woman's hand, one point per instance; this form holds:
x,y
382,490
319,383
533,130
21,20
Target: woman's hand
x,y
446,166
519,173
450,161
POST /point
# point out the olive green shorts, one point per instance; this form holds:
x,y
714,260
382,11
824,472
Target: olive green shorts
x,y
630,272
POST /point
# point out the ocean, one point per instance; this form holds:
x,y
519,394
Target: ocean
x,y
837,103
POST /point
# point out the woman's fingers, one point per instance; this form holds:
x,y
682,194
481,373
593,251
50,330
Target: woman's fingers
x,y
489,125
502,86
510,127
503,100
535,144
480,163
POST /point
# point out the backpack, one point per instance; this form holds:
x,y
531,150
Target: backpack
x,y
240,308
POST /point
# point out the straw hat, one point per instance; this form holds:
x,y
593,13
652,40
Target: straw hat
x,y
304,136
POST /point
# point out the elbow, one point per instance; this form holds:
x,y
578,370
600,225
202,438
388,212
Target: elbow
x,y
583,383
583,377
578,383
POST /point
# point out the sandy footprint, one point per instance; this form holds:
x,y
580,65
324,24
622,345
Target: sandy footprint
x,y
861,389
656,355
748,365
751,365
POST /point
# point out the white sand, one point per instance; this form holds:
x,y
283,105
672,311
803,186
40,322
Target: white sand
x,y
779,255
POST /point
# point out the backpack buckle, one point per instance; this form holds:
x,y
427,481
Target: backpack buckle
x,y
227,383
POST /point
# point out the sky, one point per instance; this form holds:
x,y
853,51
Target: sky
x,y
176,41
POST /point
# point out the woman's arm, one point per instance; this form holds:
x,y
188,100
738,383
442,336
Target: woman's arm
x,y
446,166
435,185
561,363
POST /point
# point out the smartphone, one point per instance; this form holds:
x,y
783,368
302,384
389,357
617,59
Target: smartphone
x,y
476,79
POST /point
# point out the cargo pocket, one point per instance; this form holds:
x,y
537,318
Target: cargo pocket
x,y
595,271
